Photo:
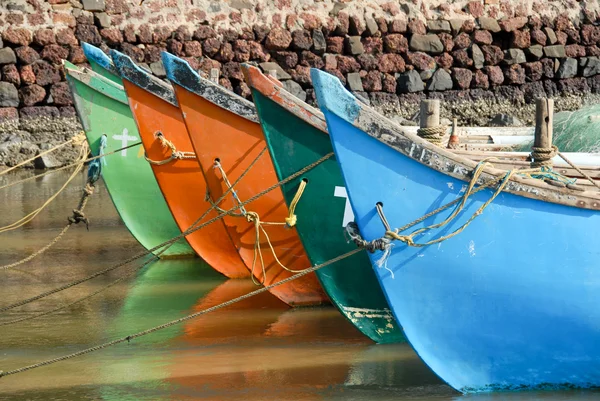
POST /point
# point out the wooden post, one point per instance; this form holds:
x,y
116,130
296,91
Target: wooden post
x,y
430,113
454,141
214,75
272,73
544,113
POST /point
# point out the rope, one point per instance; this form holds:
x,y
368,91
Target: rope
x,y
29,217
433,134
193,228
175,154
178,321
77,140
254,218
542,157
70,165
570,163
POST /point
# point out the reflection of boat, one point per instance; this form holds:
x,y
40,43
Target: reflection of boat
x,y
297,136
227,141
181,181
502,305
104,112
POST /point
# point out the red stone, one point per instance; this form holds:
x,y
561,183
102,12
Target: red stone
x,y
462,77
388,83
161,34
287,60
66,36
196,15
496,77
232,70
335,44
144,35
112,36
573,36
207,64
481,80
192,48
309,59
391,7
26,55
461,58
301,74
310,21
132,51
175,47
447,41
575,51
229,35
15,19
395,43
475,8
129,34
31,95
373,45
302,39
368,62
421,61
520,39
17,36
533,71
590,35
261,32
27,75
445,61
211,46
463,41
278,39
356,26
43,37
152,53
396,26
372,81
36,19
515,74
225,53
391,63
548,67
247,34
538,37
64,19
512,24
482,37
347,64
257,52
562,22
493,55
468,26
61,94
416,26
76,55
11,74
592,51
561,37
55,53
88,34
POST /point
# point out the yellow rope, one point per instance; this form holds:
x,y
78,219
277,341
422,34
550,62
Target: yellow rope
x,y
253,217
175,154
83,151
76,140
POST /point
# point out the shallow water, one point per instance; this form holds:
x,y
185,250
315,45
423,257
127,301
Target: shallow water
x,y
258,349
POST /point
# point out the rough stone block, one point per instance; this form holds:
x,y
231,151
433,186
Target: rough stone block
x,y
93,5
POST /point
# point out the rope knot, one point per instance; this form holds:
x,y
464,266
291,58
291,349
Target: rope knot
x,y
79,216
291,220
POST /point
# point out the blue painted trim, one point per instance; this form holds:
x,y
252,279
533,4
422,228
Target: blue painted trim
x,y
136,75
330,87
95,54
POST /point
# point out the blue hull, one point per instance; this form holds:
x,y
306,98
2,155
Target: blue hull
x,y
510,303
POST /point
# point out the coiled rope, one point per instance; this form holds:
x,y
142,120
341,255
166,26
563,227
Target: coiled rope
x,y
433,134
175,154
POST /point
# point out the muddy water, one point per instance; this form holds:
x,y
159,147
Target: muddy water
x,y
258,349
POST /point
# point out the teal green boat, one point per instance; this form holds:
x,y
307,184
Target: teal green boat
x,y
296,135
108,124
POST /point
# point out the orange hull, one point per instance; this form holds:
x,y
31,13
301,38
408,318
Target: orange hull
x,y
217,133
181,181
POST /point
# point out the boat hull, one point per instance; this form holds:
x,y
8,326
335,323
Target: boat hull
x,y
350,284
218,133
128,177
181,181
488,309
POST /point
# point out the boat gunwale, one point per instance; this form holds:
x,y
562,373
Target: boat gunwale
x,y
90,79
215,94
446,162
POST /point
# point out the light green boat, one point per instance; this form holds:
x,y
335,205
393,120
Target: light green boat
x,y
296,135
108,124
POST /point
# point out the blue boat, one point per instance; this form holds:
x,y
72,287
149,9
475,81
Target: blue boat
x,y
511,302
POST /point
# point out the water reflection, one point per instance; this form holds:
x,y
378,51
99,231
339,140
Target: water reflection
x,y
257,349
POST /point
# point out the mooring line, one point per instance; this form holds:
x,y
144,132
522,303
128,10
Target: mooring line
x,y
180,320
190,230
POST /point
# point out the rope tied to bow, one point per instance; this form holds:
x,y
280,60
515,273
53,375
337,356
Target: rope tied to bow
x,y
542,157
433,134
175,154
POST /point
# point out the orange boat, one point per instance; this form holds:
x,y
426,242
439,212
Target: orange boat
x,y
228,139
180,179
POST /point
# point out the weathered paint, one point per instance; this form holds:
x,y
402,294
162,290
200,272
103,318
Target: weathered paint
x,y
103,110
181,181
220,127
296,135
502,305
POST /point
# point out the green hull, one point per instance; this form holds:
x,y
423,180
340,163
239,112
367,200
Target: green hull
x,y
322,212
103,110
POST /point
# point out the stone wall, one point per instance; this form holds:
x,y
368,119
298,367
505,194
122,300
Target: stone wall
x,y
481,57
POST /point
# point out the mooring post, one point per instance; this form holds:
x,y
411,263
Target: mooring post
x,y
453,142
214,75
542,150
430,113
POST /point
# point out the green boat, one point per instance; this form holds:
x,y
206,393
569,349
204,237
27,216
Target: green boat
x,y
323,209
108,124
